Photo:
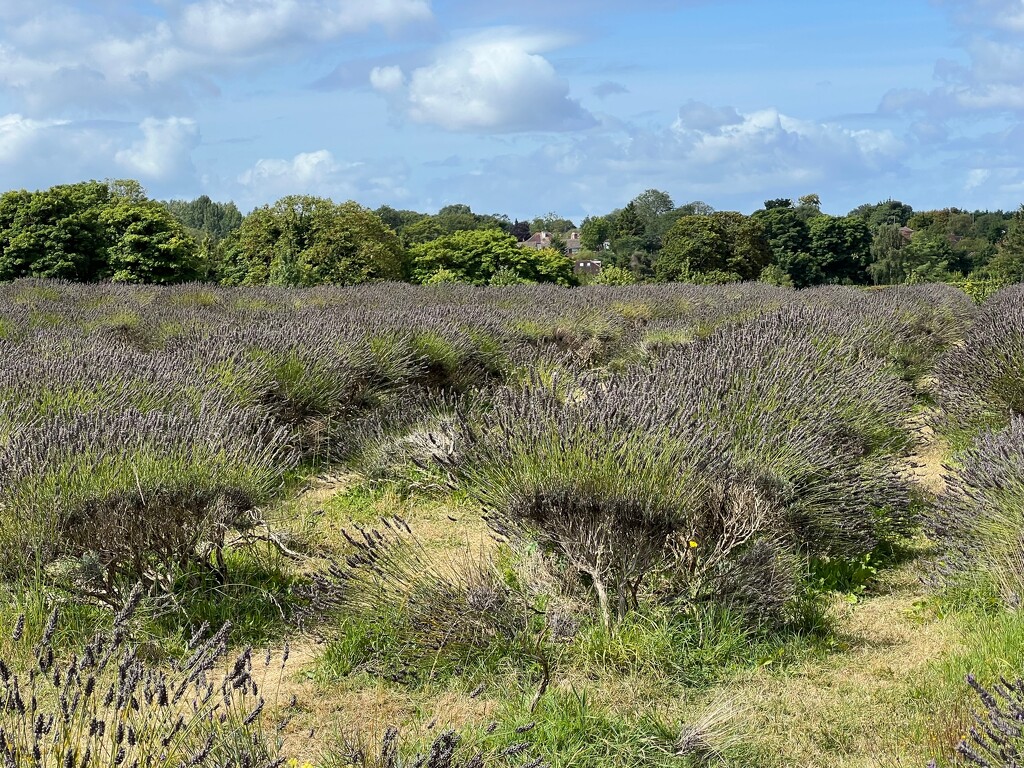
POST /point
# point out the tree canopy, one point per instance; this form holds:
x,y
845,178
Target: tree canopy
x,y
93,231
111,230
478,256
304,240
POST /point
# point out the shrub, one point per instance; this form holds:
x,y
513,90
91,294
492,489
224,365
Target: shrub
x,y
978,521
103,499
980,384
592,474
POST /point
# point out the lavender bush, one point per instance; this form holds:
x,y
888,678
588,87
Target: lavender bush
x,y
104,499
979,521
980,383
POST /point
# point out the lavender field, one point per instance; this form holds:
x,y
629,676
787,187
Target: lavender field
x,y
454,526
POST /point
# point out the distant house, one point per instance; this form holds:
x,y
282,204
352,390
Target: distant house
x,y
537,241
587,266
907,233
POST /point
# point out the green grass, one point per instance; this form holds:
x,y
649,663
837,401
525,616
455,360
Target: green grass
x,y
256,598
361,503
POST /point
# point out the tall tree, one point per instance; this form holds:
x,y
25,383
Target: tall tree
x,y
595,232
303,240
1008,263
887,265
695,244
725,243
885,212
148,245
789,238
56,233
204,217
841,248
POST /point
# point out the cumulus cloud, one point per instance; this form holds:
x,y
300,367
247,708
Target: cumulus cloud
x,y
321,173
304,171
717,153
387,79
1007,15
41,152
164,150
494,82
19,135
771,143
60,56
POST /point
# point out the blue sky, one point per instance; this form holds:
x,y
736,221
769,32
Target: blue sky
x,y
522,107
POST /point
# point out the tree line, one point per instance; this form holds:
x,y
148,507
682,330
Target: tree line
x,y
111,231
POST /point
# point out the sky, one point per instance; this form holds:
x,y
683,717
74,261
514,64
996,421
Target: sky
x,y
522,107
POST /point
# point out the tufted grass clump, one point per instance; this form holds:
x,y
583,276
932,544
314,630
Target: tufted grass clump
x,y
403,613
593,475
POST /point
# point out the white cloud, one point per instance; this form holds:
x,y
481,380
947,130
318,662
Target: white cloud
x,y
493,82
1005,15
387,79
250,27
977,177
321,173
20,135
989,81
715,153
41,152
163,151
65,59
304,171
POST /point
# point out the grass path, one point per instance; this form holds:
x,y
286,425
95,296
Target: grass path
x,y
851,707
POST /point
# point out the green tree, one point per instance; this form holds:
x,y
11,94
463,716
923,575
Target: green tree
x,y
56,233
891,212
595,232
651,204
887,265
694,244
1008,263
204,217
749,251
628,222
724,242
841,247
148,244
928,257
303,240
474,256
773,274
789,239
94,231
552,222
